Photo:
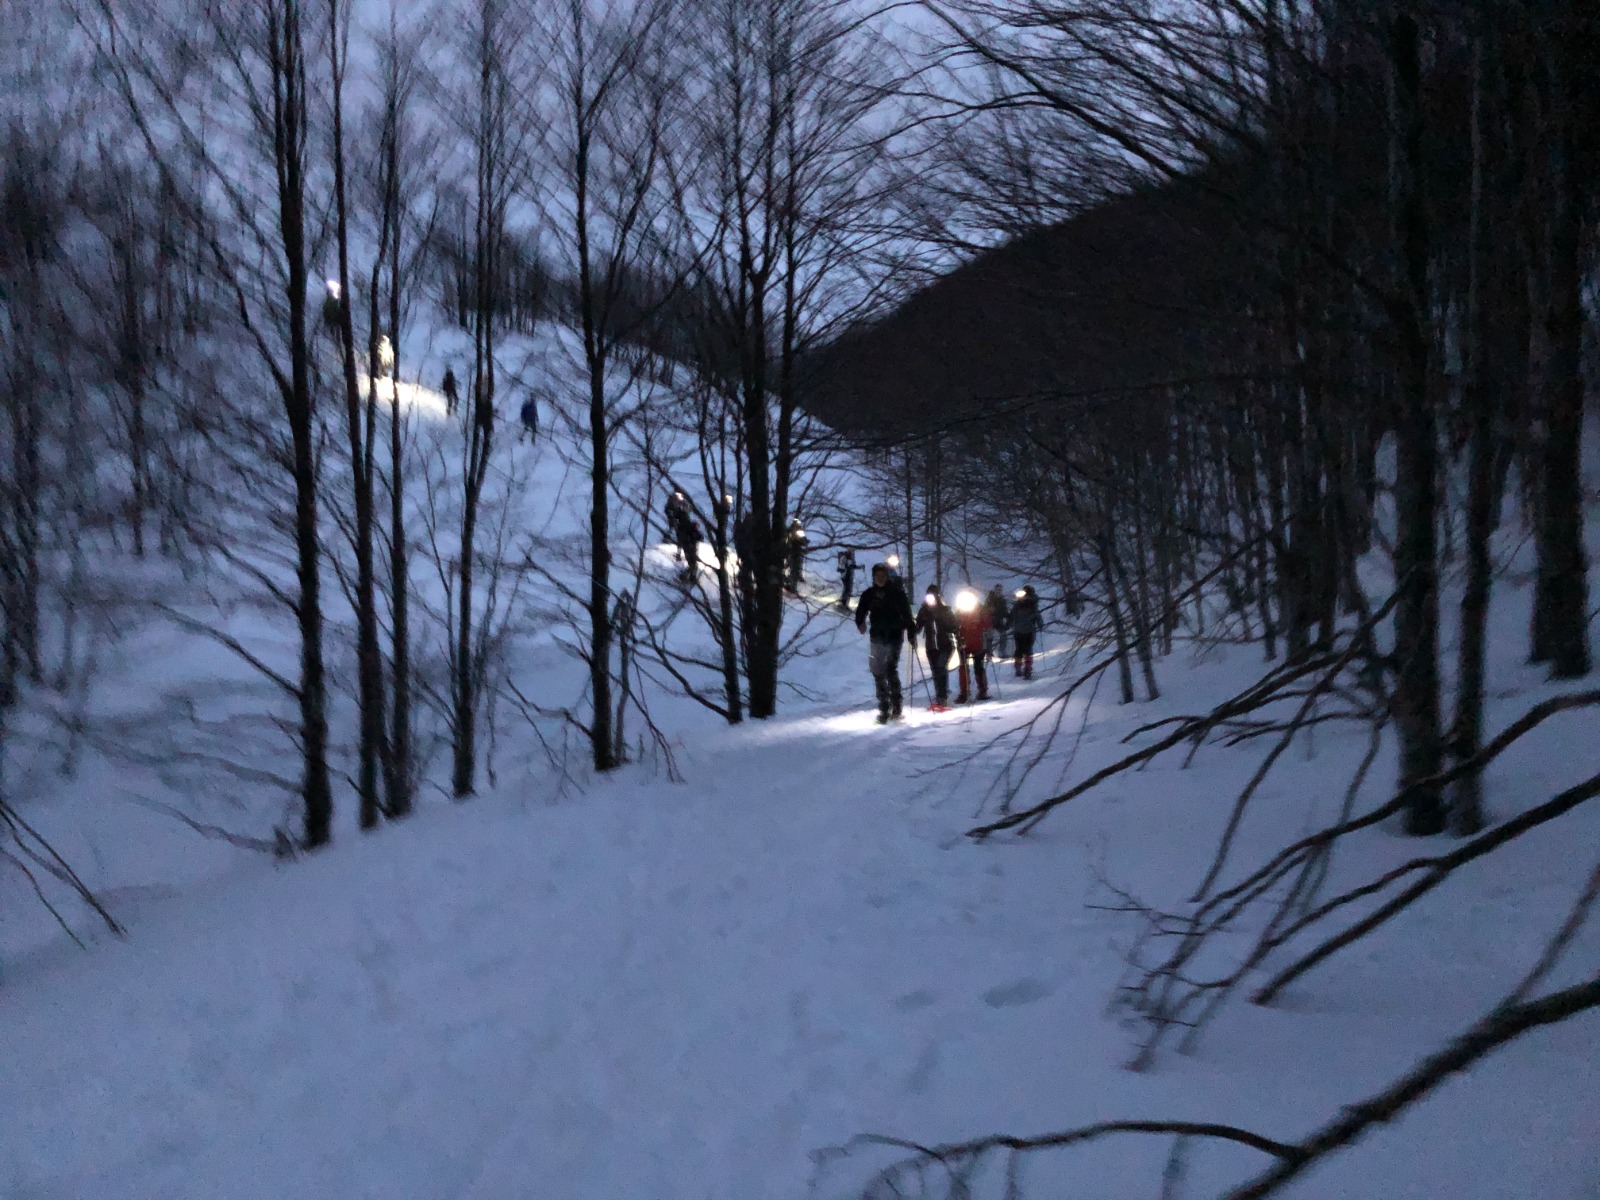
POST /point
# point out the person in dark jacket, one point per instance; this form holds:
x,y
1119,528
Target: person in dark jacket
x,y
937,621
684,532
795,546
689,545
530,420
745,534
1025,627
675,509
847,577
972,628
999,623
452,394
884,611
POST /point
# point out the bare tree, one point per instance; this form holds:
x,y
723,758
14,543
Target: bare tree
x,y
610,94
496,121
260,63
401,238
788,161
360,431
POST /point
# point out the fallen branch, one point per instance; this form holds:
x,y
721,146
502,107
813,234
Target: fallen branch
x,y
1438,868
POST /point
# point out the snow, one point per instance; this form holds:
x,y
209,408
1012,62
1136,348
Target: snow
x,y
682,990
691,983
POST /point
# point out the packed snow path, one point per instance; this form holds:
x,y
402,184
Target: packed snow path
x,y
660,991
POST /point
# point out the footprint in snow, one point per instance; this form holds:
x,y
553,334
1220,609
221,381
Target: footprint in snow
x,y
912,1001
922,1073
1023,991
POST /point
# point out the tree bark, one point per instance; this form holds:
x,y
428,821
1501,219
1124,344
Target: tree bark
x,y
1416,690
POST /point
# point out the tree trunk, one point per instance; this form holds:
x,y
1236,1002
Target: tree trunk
x,y
1416,690
1466,810
1119,625
290,121
369,657
1563,593
399,771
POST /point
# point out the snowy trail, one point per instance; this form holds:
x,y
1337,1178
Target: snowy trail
x,y
665,991
620,974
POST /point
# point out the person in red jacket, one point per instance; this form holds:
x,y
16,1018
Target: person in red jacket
x,y
972,623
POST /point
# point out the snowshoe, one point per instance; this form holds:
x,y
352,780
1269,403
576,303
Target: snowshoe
x,y
883,718
936,707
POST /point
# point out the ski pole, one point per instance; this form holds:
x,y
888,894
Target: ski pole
x,y
915,673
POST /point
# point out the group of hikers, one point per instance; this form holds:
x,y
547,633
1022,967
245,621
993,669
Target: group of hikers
x,y
527,415
684,532
974,631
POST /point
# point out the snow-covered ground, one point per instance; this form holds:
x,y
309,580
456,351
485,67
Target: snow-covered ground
x,y
642,986
657,989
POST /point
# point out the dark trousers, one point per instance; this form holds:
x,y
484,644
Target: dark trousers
x,y
939,668
974,658
1022,664
883,660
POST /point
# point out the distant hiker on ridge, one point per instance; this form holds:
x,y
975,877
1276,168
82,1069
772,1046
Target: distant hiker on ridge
x,y
452,396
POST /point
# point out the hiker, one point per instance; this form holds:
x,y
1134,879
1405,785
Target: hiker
x,y
885,608
999,623
688,539
938,625
675,509
333,306
795,546
744,546
452,396
530,420
972,621
847,577
1025,625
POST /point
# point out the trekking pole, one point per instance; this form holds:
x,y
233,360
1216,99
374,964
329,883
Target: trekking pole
x,y
916,668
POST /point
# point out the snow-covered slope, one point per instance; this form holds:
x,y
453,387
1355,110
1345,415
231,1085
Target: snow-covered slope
x,y
681,990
